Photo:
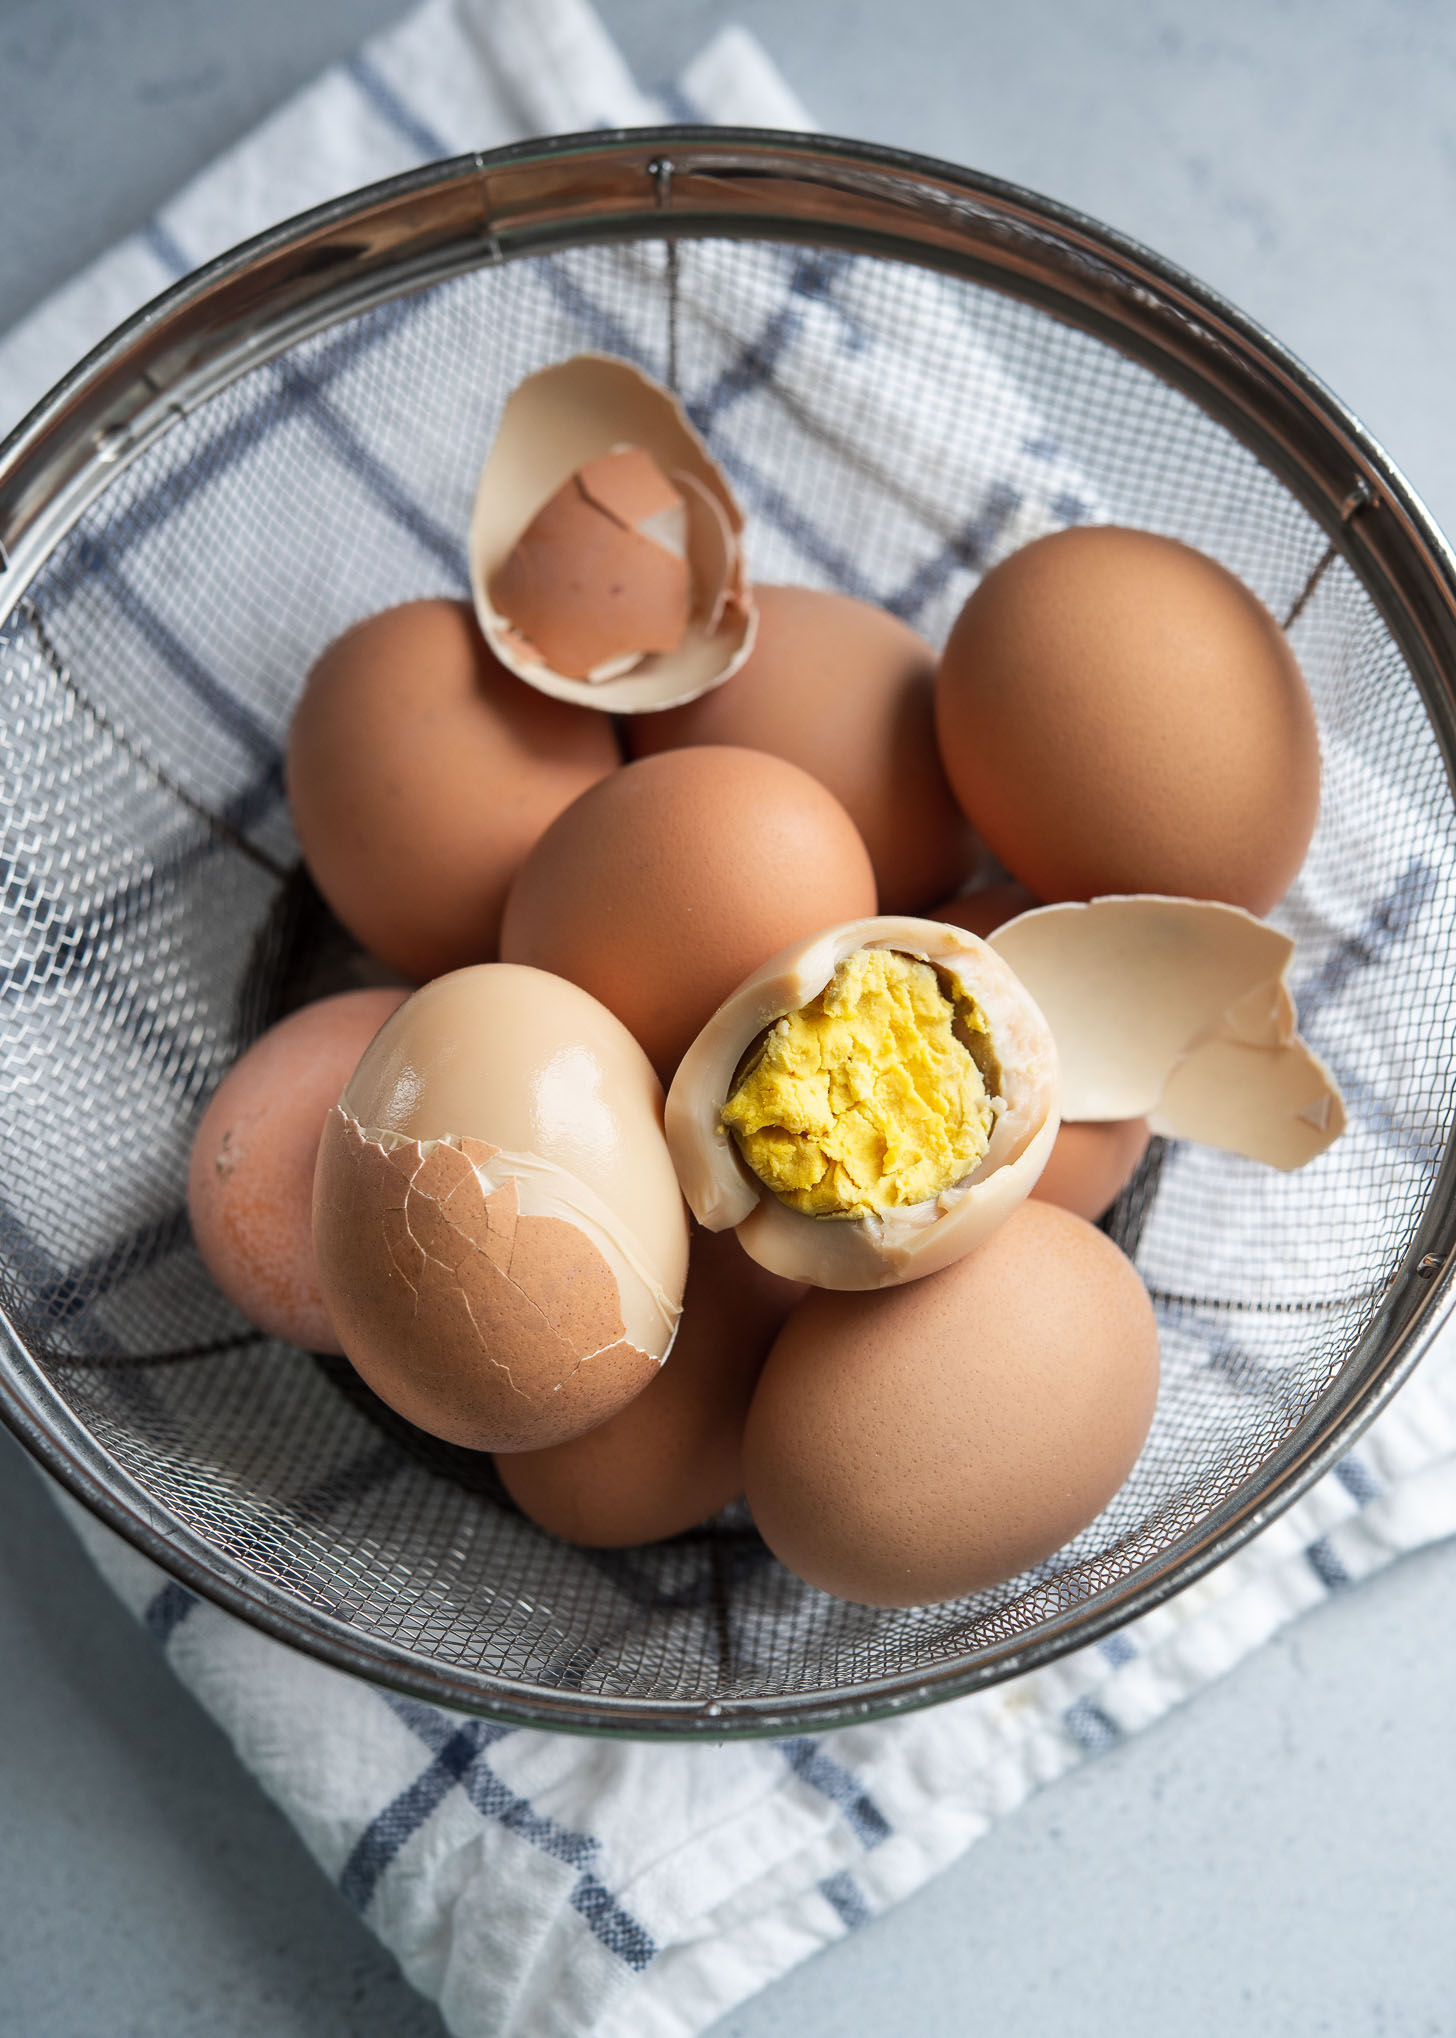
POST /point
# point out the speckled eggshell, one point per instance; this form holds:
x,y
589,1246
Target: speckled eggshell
x,y
672,1456
250,1182
501,1240
1090,1164
923,1442
420,772
662,888
1117,713
847,692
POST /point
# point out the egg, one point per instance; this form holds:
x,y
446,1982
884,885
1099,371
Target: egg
x,y
500,1237
605,565
1090,1164
250,1180
419,773
868,1106
934,1440
1117,712
672,1456
847,692
660,889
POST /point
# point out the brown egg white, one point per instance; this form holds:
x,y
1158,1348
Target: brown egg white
x,y
250,1182
847,692
898,1242
672,1456
501,1241
1090,1164
604,555
1117,713
936,1439
664,886
419,774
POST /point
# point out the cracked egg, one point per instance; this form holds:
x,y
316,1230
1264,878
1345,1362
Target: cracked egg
x,y
501,1242
868,1106
604,556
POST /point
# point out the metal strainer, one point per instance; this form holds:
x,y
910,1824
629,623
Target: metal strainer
x,y
906,371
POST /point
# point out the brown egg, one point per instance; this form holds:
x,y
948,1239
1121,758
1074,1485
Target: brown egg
x,y
932,1440
420,772
1090,1163
1118,713
501,1240
661,889
250,1183
847,692
672,1456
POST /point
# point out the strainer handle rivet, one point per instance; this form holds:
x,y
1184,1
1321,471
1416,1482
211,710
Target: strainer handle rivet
x,y
1431,1264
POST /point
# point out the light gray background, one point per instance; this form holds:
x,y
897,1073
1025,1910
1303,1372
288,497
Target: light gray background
x,y
1278,1857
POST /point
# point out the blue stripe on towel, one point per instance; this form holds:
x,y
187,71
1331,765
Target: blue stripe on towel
x,y
1089,1725
840,1785
1326,1566
1358,1480
167,1610
376,89
164,244
848,1899
459,1757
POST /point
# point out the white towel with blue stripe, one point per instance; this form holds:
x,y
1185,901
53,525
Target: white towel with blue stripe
x,y
543,1886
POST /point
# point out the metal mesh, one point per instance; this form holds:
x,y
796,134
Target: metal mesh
x,y
152,925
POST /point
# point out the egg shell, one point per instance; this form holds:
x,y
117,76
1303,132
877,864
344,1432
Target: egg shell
x,y
847,692
557,422
250,1180
672,1456
895,1245
1090,1164
501,1241
660,889
419,774
933,1440
1118,713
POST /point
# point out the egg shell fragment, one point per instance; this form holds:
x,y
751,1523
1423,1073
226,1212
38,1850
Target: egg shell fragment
x,y
891,1246
934,1440
501,1241
1178,1010
554,424
673,1455
420,772
663,886
847,692
1118,713
250,1178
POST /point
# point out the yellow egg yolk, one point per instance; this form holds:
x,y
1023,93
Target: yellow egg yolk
x,y
866,1099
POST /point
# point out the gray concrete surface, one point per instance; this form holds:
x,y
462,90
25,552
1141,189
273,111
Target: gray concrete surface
x,y
1278,1857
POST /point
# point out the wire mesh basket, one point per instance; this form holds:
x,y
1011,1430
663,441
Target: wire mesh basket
x,y
906,371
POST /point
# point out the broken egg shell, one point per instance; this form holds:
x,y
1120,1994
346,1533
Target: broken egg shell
x,y
250,1179
501,1241
585,586
892,1246
1177,1010
554,424
673,1455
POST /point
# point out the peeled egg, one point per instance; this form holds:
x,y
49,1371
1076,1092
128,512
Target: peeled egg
x,y
672,1456
1117,713
847,692
501,1240
420,772
250,1182
661,888
604,554
856,1096
935,1439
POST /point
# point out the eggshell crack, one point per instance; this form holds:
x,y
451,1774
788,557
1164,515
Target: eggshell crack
x,y
1177,1010
472,1286
580,418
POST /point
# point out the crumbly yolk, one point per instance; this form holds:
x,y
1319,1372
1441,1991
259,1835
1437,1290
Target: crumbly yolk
x,y
865,1099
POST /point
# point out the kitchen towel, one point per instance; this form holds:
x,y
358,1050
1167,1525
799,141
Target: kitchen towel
x,y
543,1886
